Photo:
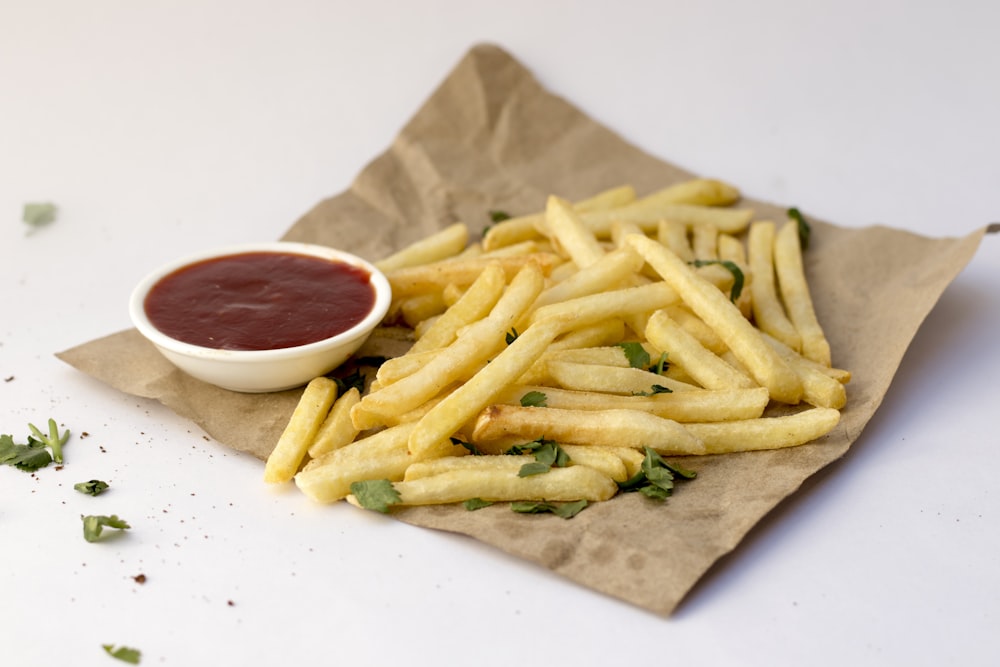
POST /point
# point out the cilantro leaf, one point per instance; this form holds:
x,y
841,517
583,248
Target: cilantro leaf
x,y
805,230
511,336
547,454
738,277
130,655
94,524
37,214
533,399
355,380
94,487
499,216
54,440
375,494
29,457
475,451
473,504
636,354
564,510
653,390
660,365
656,477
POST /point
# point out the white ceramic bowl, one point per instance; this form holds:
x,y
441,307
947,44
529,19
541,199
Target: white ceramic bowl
x,y
261,370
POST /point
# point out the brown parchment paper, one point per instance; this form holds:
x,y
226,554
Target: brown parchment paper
x,y
491,137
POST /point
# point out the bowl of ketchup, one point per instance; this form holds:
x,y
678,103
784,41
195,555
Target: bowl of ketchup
x,y
260,317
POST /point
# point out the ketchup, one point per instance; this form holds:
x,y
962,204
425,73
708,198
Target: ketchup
x,y
260,301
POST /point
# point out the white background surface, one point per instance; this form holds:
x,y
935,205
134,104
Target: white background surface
x,y
161,128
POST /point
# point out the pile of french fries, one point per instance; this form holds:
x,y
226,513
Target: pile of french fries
x,y
608,326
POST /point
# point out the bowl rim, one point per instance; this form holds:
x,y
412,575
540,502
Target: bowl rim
x,y
380,284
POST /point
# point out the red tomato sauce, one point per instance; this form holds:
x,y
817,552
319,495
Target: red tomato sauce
x,y
260,301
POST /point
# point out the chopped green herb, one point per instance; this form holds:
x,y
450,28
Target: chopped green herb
x,y
473,504
563,510
376,494
655,389
37,214
94,487
499,216
130,655
533,399
636,354
53,440
93,525
511,336
730,266
805,230
655,478
660,365
547,454
29,457
468,445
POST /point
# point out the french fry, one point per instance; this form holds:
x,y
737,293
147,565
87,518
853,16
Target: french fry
x,y
700,405
819,388
461,405
795,293
570,234
612,379
674,235
703,365
337,430
768,313
712,306
438,246
613,303
626,428
557,485
435,277
292,446
473,305
609,272
648,212
766,432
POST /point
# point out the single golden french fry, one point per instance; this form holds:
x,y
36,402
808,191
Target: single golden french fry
x,y
473,305
795,293
557,485
674,235
628,428
461,405
609,272
622,228
766,432
610,304
604,459
703,365
819,388
700,405
731,250
696,327
419,307
648,212
436,276
569,233
292,446
768,313
715,309
612,379
705,242
604,332
438,246
702,192
382,455
337,429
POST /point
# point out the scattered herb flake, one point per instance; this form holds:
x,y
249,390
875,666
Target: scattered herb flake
x,y
354,380
29,457
805,230
468,445
655,389
660,365
130,655
636,354
376,494
94,524
547,454
534,399
37,214
54,440
511,336
473,504
738,277
94,487
563,510
499,216
655,478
